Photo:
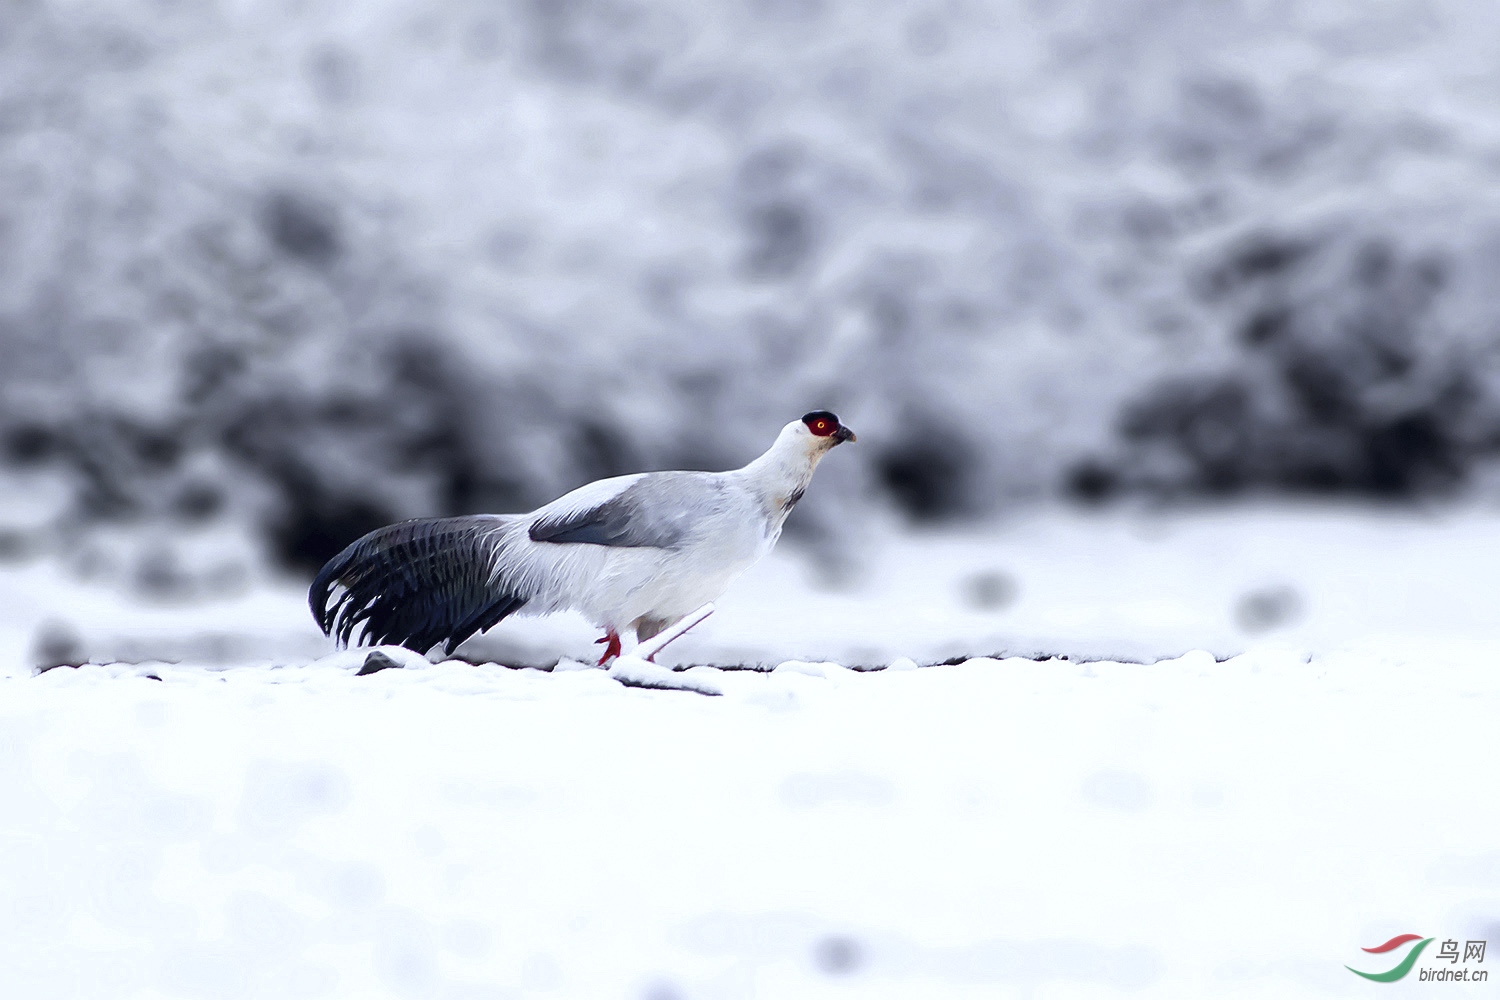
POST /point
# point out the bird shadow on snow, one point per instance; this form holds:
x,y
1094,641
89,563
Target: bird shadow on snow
x,y
465,672
389,667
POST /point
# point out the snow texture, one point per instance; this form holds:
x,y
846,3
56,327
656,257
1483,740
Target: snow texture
x,y
277,825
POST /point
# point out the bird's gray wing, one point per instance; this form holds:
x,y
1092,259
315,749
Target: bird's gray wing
x,y
655,510
417,583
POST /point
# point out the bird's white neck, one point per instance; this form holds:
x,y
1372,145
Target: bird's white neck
x,y
783,472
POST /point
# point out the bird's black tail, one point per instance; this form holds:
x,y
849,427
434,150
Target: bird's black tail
x,y
416,583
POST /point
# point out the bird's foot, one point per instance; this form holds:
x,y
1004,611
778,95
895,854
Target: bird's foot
x,y
648,649
610,651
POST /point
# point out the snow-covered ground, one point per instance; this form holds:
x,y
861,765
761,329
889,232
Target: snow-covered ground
x,y
257,821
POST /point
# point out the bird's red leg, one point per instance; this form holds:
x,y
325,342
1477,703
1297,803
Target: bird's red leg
x,y
612,650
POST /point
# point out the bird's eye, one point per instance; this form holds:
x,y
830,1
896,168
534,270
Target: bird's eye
x,y
821,422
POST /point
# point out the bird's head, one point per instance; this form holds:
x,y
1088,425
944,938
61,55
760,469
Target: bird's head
x,y
822,430
800,446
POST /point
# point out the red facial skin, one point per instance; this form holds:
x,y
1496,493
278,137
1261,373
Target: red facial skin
x,y
822,428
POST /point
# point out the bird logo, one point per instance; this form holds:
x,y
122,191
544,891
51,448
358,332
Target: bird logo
x,y
1402,967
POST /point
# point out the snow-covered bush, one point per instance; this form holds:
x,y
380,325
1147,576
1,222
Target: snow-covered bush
x,y
1355,367
310,268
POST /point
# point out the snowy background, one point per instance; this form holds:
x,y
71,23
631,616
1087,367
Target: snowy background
x,y
1144,643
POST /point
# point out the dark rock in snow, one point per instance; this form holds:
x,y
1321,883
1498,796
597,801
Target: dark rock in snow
x,y
58,645
376,662
837,955
991,590
1268,608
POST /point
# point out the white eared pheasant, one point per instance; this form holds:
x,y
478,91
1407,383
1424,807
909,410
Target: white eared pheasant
x,y
632,552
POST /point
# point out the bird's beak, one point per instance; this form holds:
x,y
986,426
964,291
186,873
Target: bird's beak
x,y
843,434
